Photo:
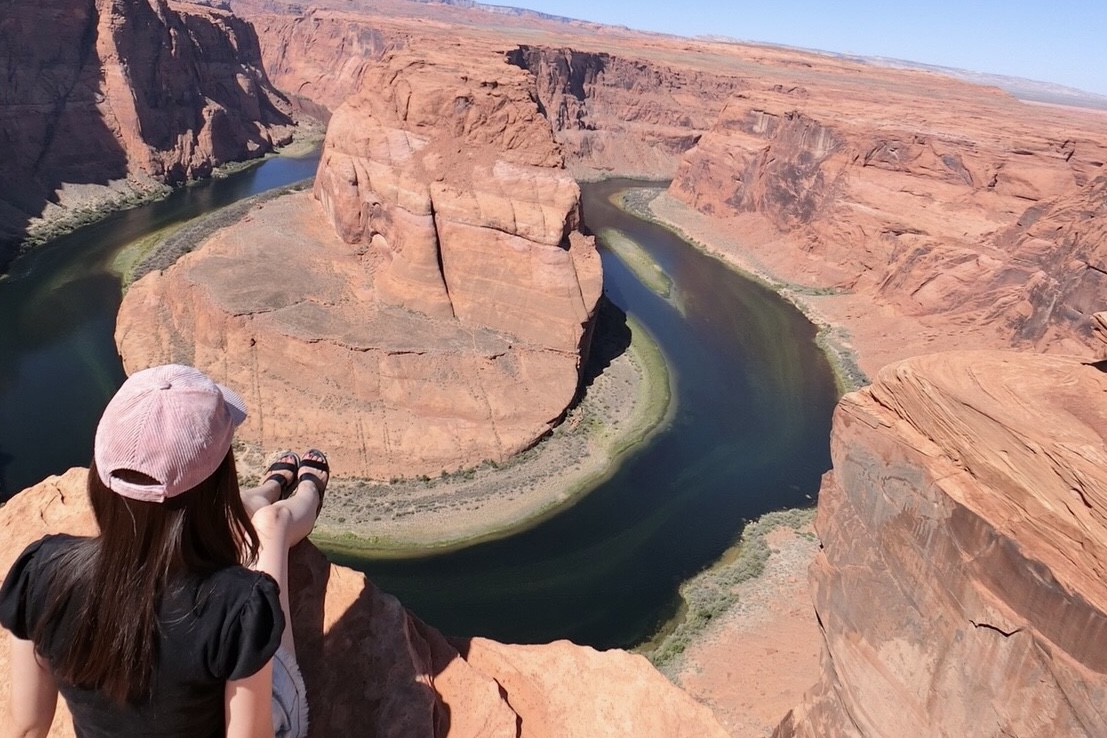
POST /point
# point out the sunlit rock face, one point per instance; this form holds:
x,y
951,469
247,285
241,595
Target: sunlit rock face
x,y
935,197
427,310
104,99
960,583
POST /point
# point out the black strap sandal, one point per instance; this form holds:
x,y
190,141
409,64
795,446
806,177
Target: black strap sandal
x,y
307,476
287,483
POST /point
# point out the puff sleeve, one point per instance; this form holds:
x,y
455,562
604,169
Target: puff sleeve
x,y
17,592
251,631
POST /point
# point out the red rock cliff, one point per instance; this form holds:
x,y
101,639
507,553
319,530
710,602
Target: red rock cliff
x,y
936,198
960,584
372,668
126,95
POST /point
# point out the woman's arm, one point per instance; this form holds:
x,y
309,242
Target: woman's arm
x,y
34,694
249,705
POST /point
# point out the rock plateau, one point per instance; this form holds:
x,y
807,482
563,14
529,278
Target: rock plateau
x,y
428,310
372,668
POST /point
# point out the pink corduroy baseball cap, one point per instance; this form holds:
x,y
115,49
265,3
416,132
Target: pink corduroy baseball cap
x,y
171,423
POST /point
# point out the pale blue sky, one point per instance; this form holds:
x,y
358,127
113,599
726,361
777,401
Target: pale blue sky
x,y
1061,41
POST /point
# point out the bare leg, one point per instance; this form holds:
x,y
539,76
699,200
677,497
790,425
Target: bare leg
x,y
280,526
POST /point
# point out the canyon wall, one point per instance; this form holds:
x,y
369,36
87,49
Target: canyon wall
x,y
372,668
624,116
937,200
105,100
959,588
611,113
427,310
318,58
931,197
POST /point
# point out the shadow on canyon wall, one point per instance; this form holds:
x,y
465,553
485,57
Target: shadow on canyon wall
x,y
51,128
143,96
373,671
610,339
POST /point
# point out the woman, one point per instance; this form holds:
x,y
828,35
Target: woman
x,y
155,627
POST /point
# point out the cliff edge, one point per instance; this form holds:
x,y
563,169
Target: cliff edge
x,y
959,589
372,668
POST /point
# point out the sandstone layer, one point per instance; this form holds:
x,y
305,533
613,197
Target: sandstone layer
x,y
372,668
429,312
960,584
616,105
933,198
104,99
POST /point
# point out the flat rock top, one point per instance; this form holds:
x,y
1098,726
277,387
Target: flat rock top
x,y
1032,426
283,264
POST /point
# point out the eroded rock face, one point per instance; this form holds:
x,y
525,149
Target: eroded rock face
x,y
627,115
445,322
935,198
447,176
122,96
960,585
372,668
319,57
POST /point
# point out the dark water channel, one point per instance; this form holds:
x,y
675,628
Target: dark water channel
x,y
58,363
749,435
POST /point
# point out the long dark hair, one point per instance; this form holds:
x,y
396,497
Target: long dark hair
x,y
116,579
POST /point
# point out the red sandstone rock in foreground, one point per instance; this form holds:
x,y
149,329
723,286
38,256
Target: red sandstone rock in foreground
x,y
371,668
960,587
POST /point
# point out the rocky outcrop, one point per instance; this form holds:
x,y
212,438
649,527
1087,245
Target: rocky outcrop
x,y
105,99
960,584
372,668
448,179
446,321
937,199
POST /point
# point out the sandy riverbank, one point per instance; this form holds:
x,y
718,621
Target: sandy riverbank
x,y
627,399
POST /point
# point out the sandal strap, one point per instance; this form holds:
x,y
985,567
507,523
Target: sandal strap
x,y
286,483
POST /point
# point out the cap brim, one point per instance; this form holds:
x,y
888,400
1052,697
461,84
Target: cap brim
x,y
235,406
